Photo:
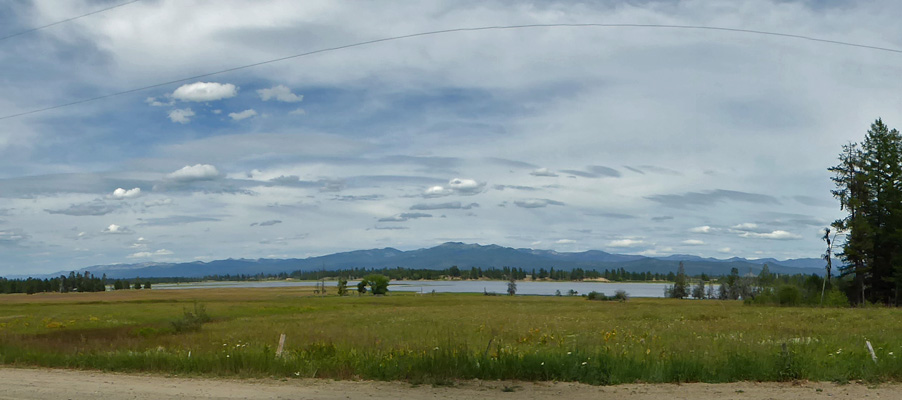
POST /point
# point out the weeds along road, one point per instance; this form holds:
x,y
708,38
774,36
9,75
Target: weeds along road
x,y
22,383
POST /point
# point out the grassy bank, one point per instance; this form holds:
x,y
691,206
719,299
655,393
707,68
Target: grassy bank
x,y
448,336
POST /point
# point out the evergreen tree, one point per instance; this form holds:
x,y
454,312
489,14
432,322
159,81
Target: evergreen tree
x,y
680,287
868,182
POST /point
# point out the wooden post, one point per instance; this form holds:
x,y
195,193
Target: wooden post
x,y
281,345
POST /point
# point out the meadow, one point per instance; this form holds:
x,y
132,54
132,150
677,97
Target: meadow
x,y
445,337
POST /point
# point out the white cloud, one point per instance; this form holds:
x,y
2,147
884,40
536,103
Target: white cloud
x,y
543,172
299,111
437,191
197,172
775,235
121,193
152,101
281,93
725,250
693,242
565,241
243,115
181,115
464,187
702,229
116,229
745,226
626,243
205,91
147,254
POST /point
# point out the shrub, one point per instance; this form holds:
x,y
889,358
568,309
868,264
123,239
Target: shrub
x,y
835,298
789,295
191,321
620,295
593,295
378,283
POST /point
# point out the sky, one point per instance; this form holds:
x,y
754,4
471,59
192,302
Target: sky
x,y
633,140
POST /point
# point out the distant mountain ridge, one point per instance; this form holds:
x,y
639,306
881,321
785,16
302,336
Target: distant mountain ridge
x,y
462,255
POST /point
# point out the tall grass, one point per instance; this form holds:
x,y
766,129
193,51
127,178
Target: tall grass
x,y
442,337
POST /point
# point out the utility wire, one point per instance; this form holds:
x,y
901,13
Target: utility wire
x,y
65,20
446,31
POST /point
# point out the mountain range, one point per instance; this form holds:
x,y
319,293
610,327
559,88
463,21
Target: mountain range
x,y
464,256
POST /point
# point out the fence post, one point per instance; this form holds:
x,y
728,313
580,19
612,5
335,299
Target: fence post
x,y
281,345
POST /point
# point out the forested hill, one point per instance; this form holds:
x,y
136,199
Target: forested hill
x,y
463,256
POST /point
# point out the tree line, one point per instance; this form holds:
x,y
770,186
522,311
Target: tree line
x,y
766,288
74,282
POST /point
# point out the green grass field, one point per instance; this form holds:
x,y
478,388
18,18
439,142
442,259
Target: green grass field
x,y
437,338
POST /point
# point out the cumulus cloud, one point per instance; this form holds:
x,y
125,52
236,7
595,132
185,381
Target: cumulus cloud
x,y
775,235
197,172
121,193
298,111
116,229
181,115
267,223
280,93
537,203
205,91
465,186
543,172
238,116
437,191
626,243
147,254
693,242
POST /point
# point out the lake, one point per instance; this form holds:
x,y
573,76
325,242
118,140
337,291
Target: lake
x,y
544,288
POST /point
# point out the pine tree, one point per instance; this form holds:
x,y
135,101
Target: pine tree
x,y
869,188
680,287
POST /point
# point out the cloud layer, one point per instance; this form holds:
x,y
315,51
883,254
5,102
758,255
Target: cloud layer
x,y
624,139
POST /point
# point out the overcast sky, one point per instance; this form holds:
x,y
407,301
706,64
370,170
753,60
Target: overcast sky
x,y
631,140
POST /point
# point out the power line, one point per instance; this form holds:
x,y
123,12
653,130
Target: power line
x,y
446,31
66,20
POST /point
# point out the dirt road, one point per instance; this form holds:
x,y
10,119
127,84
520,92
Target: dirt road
x,y
67,384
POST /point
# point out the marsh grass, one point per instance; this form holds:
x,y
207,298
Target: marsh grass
x,y
442,338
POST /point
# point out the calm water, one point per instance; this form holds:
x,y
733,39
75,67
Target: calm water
x,y
500,287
